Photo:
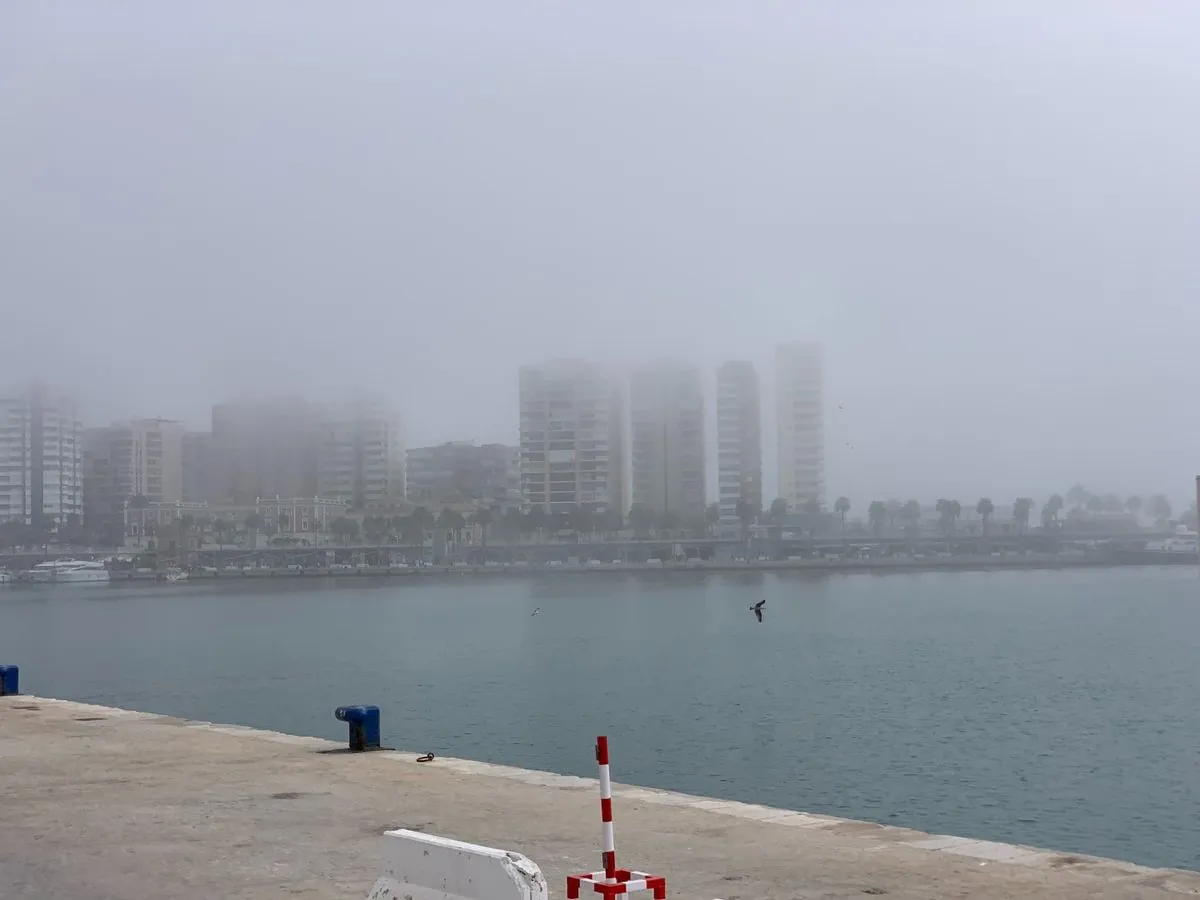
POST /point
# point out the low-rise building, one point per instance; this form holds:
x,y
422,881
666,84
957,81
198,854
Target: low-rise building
x,y
462,471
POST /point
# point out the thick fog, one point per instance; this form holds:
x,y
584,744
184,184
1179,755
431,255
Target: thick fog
x,y
987,212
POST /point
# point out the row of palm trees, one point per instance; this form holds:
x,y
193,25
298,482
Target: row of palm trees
x,y
883,516
589,519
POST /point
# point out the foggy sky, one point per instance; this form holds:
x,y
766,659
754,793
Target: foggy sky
x,y
988,213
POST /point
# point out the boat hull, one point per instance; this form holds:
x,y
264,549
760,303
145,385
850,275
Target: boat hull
x,y
84,577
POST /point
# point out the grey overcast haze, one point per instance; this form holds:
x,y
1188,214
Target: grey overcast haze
x,y
987,213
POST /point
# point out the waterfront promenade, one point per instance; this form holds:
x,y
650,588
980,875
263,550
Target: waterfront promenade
x,y
106,804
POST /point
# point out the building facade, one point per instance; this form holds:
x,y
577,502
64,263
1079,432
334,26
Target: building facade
x,y
360,455
739,438
41,458
572,437
198,467
800,416
667,426
462,471
125,460
263,449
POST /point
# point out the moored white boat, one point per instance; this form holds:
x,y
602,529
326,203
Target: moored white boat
x,y
69,571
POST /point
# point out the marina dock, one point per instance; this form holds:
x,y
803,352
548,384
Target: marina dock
x,y
107,804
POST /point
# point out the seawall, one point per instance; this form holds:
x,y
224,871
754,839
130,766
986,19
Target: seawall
x,y
109,804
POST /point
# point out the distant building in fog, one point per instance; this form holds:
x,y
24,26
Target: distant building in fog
x,y
459,471
360,453
198,467
263,449
666,404
739,438
572,437
800,417
138,458
41,457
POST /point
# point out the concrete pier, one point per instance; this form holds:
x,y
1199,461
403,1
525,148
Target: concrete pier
x,y
105,804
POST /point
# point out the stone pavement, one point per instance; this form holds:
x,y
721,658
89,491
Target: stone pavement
x,y
105,804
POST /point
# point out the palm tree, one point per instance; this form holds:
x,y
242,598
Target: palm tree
x,y
453,522
345,528
1160,508
779,509
641,519
944,507
483,518
583,519
841,506
746,514
510,523
1021,509
712,515
985,508
911,513
876,516
1051,510
1094,504
1077,495
220,529
895,510
1134,505
374,527
412,532
536,519
610,522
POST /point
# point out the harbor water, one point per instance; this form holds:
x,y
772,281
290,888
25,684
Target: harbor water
x,y
1048,708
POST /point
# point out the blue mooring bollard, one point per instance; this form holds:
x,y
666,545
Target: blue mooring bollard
x,y
10,681
364,726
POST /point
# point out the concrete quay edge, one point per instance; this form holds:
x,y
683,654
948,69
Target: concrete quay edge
x,y
867,837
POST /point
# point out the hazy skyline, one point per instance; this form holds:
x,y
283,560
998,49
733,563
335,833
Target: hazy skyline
x,y
985,213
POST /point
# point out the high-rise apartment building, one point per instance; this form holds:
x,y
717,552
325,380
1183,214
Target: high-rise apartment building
x,y
360,454
263,449
462,471
739,438
125,460
572,437
667,425
198,467
41,458
799,397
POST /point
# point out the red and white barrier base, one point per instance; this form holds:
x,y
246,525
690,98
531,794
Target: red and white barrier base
x,y
623,882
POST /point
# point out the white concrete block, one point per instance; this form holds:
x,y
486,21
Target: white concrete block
x,y
427,867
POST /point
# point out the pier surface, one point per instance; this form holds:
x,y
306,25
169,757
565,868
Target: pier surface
x,y
106,804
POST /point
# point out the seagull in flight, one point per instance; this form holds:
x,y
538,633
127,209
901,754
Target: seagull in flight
x,y
757,609
536,611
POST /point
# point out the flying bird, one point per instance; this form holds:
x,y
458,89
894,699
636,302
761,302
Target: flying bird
x,y
536,611
757,609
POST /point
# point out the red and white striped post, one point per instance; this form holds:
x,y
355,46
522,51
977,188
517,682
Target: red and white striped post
x,y
611,881
608,859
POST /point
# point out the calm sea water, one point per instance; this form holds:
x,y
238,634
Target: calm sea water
x,y
1050,708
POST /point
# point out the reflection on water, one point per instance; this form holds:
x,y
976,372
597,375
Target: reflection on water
x,y
1052,708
